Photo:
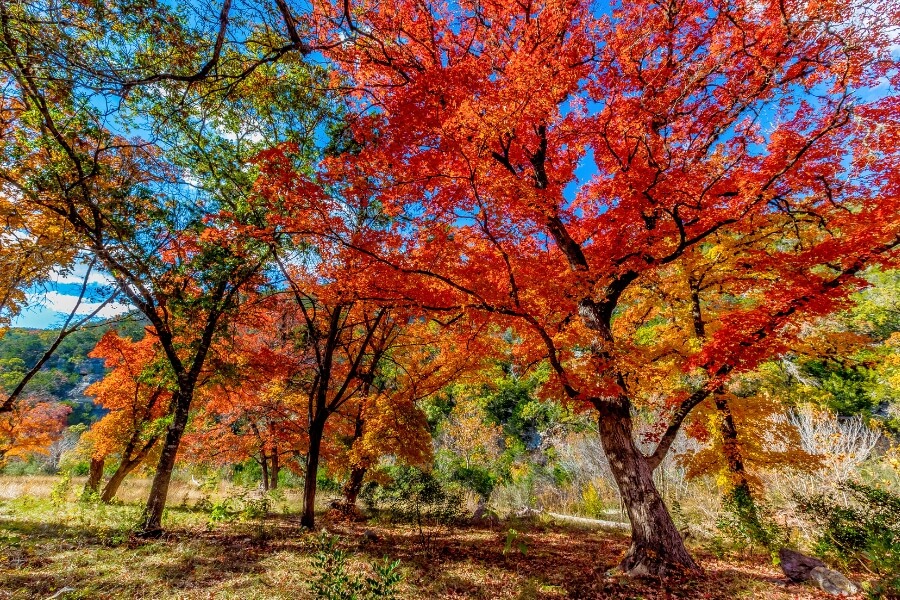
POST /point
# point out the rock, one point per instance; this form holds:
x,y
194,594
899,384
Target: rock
x,y
833,582
527,513
799,567
61,592
370,536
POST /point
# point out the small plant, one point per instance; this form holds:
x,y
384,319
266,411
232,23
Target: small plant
x,y
865,529
514,541
220,512
334,582
60,493
386,579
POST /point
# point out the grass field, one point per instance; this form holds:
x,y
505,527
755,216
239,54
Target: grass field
x,y
61,548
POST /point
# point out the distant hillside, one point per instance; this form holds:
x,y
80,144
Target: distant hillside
x,y
68,373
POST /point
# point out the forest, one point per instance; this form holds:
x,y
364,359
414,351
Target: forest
x,y
411,299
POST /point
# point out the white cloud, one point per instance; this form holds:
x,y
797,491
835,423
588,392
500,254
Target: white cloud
x,y
63,303
76,275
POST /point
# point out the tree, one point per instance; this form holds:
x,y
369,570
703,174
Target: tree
x,y
31,426
343,341
387,419
536,166
248,410
136,393
163,216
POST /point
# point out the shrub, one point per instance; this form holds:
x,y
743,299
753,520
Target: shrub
x,y
864,528
334,582
748,522
477,479
415,496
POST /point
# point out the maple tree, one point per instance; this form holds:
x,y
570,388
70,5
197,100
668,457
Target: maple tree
x,y
248,409
30,427
535,165
161,212
388,421
136,395
343,342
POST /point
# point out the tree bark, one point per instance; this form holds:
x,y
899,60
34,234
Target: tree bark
x,y
316,431
156,503
354,485
112,486
94,475
273,485
656,545
730,445
264,463
127,465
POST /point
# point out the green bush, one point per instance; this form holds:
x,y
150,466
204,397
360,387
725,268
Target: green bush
x,y
417,497
477,479
333,581
749,523
865,528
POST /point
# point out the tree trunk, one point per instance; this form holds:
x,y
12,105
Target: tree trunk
x,y
94,475
354,485
112,486
656,545
125,467
156,503
275,468
312,470
730,446
264,463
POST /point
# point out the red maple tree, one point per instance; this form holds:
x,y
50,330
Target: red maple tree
x,y
538,166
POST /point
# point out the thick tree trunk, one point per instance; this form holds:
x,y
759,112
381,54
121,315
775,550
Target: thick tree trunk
x,y
656,545
95,474
264,463
312,470
354,485
273,485
156,503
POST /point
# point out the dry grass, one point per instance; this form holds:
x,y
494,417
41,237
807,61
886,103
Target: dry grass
x,y
45,548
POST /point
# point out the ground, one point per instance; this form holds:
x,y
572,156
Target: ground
x,y
50,545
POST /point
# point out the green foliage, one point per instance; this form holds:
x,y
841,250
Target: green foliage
x,y
60,493
592,502
245,505
748,522
514,541
847,388
417,497
220,512
866,529
333,581
511,403
20,350
438,407
478,479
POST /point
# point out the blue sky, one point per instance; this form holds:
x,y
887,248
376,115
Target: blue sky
x,y
50,305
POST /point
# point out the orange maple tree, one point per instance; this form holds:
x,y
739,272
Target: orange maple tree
x,y
136,393
536,165
30,427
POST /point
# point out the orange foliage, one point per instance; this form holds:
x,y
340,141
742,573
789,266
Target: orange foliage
x,y
30,427
134,393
